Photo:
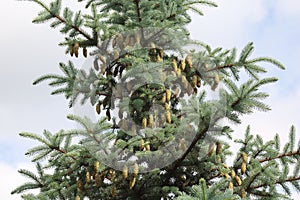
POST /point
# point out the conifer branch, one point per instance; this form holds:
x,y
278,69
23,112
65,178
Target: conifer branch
x,y
75,27
253,178
220,67
218,175
138,10
154,36
236,102
290,179
62,20
137,2
190,148
78,175
290,154
62,151
257,153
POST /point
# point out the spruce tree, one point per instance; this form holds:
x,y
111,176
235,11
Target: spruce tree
x,y
158,134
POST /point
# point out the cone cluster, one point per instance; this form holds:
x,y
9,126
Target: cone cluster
x,y
74,50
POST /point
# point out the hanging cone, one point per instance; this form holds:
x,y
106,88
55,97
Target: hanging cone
x,y
84,51
233,174
148,148
188,60
216,82
76,48
80,185
142,145
71,50
194,81
182,65
96,166
230,185
88,177
151,120
98,108
168,116
135,169
238,180
244,168
132,183
167,106
168,95
144,122
125,172
219,148
245,157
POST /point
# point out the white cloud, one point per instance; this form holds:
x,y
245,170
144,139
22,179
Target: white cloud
x,y
10,179
28,51
288,8
229,24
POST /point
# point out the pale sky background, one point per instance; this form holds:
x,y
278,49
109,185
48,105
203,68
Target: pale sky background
x,y
28,51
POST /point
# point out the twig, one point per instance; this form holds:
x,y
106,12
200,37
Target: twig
x,y
194,142
292,153
291,179
137,3
62,151
220,67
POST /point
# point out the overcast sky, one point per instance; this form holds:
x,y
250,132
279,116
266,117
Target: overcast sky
x,y
28,51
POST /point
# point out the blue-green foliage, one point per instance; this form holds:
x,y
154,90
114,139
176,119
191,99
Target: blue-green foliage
x,y
66,169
